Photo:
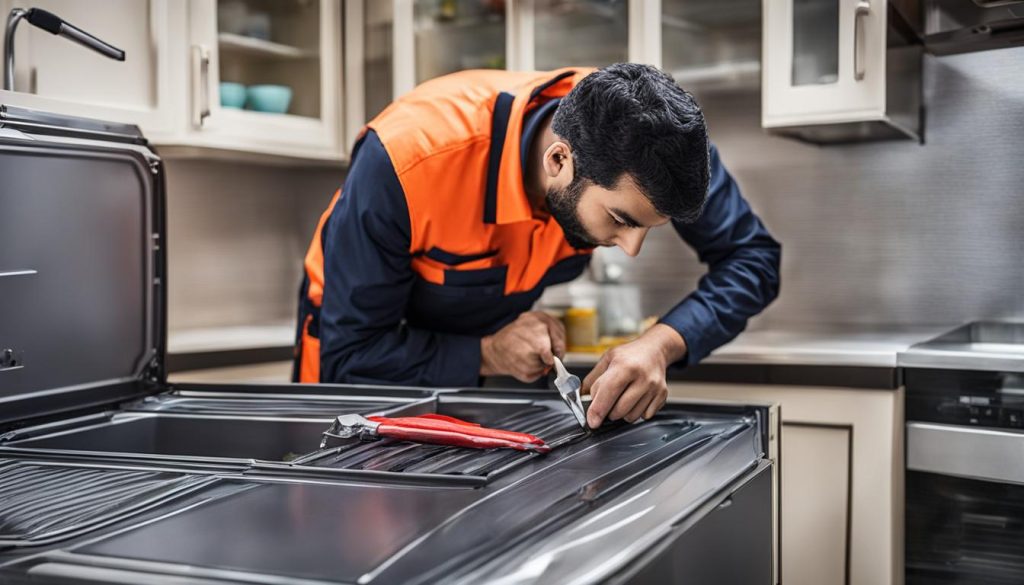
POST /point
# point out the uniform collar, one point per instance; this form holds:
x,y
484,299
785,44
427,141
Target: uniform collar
x,y
532,122
505,199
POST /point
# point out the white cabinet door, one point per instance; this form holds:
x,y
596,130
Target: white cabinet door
x,y
823,61
54,74
293,44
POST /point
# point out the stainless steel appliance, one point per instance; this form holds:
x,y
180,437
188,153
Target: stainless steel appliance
x,y
108,474
964,26
965,456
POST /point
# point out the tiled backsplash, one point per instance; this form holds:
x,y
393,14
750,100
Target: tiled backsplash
x,y
237,234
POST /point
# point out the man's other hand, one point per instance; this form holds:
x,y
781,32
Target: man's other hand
x,y
524,349
629,381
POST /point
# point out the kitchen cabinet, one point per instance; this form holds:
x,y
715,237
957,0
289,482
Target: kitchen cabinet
x,y
178,55
840,70
841,495
54,74
292,43
711,44
401,43
590,33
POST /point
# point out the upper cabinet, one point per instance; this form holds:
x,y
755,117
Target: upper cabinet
x,y
56,75
266,76
840,70
711,45
568,33
232,76
451,35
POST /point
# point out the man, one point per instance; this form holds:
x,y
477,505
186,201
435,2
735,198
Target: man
x,y
471,194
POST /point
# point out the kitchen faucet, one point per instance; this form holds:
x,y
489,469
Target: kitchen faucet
x,y
53,24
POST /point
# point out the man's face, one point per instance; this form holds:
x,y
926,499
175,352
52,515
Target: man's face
x,y
593,216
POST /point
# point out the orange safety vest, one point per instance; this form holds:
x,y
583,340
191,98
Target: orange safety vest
x,y
449,139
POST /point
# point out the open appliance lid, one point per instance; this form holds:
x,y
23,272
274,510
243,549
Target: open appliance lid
x,y
81,263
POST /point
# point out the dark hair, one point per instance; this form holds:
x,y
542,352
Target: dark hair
x,y
632,119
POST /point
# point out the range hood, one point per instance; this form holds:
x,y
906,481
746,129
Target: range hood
x,y
965,26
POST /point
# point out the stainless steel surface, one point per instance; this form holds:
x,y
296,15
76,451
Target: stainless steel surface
x,y
988,346
88,41
974,453
568,387
402,534
196,438
854,347
888,235
394,512
44,502
13,19
12,273
959,26
90,303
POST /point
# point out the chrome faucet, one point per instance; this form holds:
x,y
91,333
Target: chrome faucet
x,y
53,24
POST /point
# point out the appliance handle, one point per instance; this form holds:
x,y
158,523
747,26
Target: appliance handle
x,y
861,11
200,85
963,451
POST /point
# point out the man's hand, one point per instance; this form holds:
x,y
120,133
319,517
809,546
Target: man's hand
x,y
629,381
524,349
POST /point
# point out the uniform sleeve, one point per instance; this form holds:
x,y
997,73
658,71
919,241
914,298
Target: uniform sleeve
x,y
743,268
367,282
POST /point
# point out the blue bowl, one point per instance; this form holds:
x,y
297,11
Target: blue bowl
x,y
273,99
232,95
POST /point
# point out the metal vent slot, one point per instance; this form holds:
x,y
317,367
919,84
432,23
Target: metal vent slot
x,y
555,427
44,503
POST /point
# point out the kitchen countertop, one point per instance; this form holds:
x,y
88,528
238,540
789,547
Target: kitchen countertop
x,y
862,358
875,349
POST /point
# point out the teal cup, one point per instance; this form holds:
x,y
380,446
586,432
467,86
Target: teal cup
x,y
232,95
273,99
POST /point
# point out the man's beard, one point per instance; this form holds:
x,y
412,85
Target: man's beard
x,y
563,205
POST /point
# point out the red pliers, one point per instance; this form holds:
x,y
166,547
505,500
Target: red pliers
x,y
436,429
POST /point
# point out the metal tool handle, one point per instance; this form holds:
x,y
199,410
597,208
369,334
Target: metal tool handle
x,y
861,12
200,85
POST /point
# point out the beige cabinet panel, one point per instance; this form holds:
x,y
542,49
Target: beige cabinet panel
x,y
268,373
817,423
815,503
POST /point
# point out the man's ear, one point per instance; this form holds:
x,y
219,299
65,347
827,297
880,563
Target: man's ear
x,y
558,161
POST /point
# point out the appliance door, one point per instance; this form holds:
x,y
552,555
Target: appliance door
x,y
965,505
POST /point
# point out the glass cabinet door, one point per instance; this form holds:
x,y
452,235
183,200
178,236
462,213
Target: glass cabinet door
x,y
452,35
266,76
570,33
270,56
712,44
824,61
378,56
